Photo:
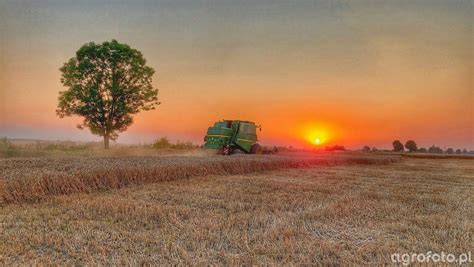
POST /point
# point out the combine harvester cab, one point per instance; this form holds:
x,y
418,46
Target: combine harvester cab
x,y
233,137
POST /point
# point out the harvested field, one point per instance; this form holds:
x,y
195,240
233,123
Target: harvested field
x,y
34,179
339,214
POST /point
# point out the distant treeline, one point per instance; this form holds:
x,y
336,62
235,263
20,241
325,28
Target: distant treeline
x,y
411,146
18,148
163,143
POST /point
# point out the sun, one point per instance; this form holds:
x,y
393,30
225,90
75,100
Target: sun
x,y
317,137
317,134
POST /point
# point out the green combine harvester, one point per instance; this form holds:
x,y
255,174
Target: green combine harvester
x,y
233,137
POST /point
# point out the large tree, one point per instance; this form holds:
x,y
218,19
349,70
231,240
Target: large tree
x,y
106,84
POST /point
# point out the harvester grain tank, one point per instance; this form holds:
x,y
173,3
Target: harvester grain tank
x,y
233,137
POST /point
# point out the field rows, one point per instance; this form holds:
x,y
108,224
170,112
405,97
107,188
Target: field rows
x,y
339,215
34,179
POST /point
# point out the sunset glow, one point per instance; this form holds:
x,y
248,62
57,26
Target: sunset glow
x,y
316,133
351,73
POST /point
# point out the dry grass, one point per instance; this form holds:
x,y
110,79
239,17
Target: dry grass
x,y
35,179
28,148
344,214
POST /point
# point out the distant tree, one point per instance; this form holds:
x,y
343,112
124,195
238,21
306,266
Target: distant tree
x,y
435,150
107,84
464,151
397,146
162,142
411,146
374,149
458,151
449,151
366,149
422,150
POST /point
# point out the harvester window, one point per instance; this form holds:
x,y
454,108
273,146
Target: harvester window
x,y
247,128
251,128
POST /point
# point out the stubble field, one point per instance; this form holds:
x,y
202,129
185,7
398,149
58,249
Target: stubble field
x,y
328,208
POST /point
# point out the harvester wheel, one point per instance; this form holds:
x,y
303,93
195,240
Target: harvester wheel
x,y
226,150
237,151
255,149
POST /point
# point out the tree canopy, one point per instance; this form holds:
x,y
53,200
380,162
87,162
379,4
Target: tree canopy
x,y
397,146
411,146
106,84
435,150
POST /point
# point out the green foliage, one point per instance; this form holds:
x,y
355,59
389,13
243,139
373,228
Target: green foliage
x,y
107,83
163,143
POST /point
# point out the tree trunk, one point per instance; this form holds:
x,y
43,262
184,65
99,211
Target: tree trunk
x,y
106,141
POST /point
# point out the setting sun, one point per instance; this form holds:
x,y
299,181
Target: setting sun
x,y
317,136
318,133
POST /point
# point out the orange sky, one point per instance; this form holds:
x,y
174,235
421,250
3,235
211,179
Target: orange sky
x,y
364,74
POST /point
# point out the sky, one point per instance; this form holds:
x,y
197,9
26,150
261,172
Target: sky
x,y
352,73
